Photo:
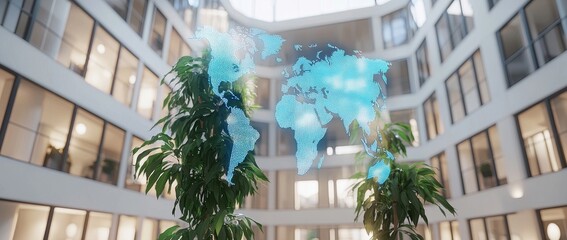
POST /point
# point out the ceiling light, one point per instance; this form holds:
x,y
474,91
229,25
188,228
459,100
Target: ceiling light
x,y
101,48
132,79
81,128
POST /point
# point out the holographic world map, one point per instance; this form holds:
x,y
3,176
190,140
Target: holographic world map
x,y
315,91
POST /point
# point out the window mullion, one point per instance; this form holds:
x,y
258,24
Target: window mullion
x,y
9,108
474,164
99,152
48,224
69,134
492,159
116,69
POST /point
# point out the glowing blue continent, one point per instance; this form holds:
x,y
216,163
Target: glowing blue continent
x,y
380,171
302,118
243,138
340,85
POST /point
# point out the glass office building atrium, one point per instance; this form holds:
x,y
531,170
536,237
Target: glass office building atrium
x,y
482,84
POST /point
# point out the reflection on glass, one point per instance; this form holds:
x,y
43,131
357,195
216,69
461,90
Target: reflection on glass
x,y
126,228
102,60
38,127
539,143
31,222
126,77
261,148
76,38
306,194
84,144
98,226
148,94
111,154
149,229
157,34
67,224
559,108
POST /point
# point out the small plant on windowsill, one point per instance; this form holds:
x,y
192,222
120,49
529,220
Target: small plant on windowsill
x,y
193,150
393,209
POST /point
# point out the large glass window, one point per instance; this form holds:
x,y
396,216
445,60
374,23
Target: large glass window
x,y
133,11
98,226
110,155
481,161
149,229
422,57
127,226
102,60
439,164
16,16
30,215
67,224
407,116
400,26
6,83
83,147
147,99
261,148
467,88
532,38
554,223
398,78
453,26
432,117
543,134
262,92
38,127
125,78
157,35
449,230
177,48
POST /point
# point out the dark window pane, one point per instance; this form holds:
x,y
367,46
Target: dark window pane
x,y
455,98
398,78
137,15
541,14
262,144
157,34
519,66
120,6
422,56
395,28
512,37
111,154
407,116
6,82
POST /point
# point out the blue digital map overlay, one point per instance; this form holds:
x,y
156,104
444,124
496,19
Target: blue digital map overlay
x,y
337,85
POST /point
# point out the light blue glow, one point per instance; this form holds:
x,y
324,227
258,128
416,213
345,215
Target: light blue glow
x,y
380,171
243,137
340,84
232,55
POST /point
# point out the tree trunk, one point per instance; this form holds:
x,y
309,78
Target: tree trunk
x,y
396,222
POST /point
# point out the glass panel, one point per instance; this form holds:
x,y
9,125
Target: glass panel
x,y
541,14
6,82
455,230
157,34
477,229
422,57
512,37
481,78
559,108
111,154
345,196
550,45
285,185
306,194
469,87
84,144
438,122
126,76
76,38
177,48
351,234
31,222
555,218
467,167
500,165
98,226
496,227
137,15
102,61
165,90
149,229
263,92
67,224
520,66
306,234
131,182
539,143
455,98
126,228
395,28
262,144
483,161
429,119
38,127
120,6
445,173
445,231
148,94
258,200
164,225
398,78
407,116
444,37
